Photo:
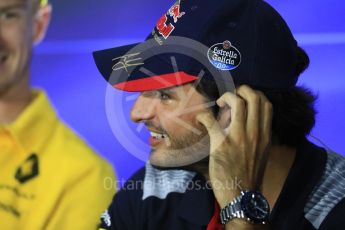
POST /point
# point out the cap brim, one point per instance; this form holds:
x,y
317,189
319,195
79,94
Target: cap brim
x,y
156,82
137,81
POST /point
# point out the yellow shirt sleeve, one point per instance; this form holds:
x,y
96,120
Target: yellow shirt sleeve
x,y
84,200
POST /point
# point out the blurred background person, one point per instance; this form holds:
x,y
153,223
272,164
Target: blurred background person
x,y
49,178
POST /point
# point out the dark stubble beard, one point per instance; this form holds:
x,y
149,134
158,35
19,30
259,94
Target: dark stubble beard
x,y
196,147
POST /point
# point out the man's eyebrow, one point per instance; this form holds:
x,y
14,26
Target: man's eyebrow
x,y
168,91
13,6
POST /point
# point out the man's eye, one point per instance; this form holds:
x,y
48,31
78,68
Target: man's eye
x,y
10,15
164,96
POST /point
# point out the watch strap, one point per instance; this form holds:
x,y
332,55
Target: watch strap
x,y
232,210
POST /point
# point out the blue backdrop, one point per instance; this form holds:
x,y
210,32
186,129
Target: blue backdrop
x,y
63,65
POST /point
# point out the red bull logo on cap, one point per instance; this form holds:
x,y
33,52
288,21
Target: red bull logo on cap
x,y
175,12
164,28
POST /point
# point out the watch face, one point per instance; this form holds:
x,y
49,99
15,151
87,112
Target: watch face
x,y
255,207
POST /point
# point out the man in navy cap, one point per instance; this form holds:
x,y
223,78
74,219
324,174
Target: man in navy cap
x,y
223,158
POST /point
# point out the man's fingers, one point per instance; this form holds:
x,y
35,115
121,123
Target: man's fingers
x,y
253,106
215,132
266,118
238,111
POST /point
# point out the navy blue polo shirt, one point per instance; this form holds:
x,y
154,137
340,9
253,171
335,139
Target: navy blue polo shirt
x,y
312,197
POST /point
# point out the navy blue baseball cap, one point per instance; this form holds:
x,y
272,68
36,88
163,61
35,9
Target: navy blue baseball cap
x,y
248,38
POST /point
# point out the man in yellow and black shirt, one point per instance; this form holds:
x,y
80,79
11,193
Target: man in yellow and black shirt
x,y
49,178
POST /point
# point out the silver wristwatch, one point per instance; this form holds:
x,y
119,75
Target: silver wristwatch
x,y
250,205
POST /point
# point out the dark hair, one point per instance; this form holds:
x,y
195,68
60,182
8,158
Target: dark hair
x,y
293,109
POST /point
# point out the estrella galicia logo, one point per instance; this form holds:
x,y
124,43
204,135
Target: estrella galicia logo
x,y
224,56
28,170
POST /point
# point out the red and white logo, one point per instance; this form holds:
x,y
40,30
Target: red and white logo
x,y
175,12
165,29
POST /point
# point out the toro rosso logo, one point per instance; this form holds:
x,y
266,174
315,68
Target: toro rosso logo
x,y
175,12
164,28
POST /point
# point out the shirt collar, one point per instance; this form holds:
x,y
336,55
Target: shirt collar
x,y
35,124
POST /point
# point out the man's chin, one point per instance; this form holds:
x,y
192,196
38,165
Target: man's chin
x,y
159,162
174,164
165,159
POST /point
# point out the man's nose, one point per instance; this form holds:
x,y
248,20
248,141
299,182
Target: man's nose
x,y
143,109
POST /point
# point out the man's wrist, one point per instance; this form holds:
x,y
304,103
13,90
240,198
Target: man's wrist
x,y
251,206
227,197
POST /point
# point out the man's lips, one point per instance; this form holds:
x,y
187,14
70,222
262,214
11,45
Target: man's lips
x,y
154,141
158,135
157,138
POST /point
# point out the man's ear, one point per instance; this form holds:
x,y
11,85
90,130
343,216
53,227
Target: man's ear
x,y
41,22
224,117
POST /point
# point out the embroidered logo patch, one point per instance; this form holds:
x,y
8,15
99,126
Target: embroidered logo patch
x,y
224,56
129,60
165,28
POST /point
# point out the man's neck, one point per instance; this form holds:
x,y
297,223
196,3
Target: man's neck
x,y
14,100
